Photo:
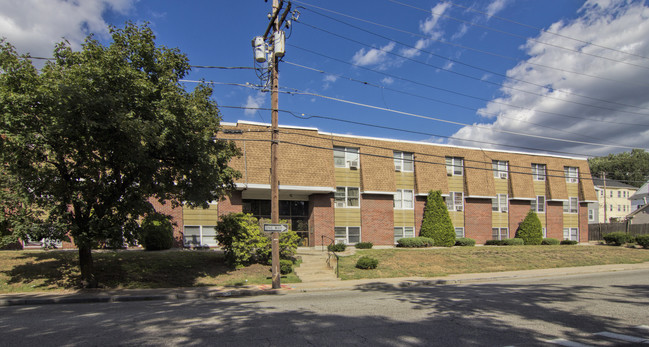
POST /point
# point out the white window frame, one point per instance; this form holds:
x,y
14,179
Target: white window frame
x,y
200,236
346,202
571,234
455,201
350,155
500,169
538,205
459,232
404,199
346,238
500,233
538,172
404,161
572,205
401,232
452,166
571,173
591,214
500,203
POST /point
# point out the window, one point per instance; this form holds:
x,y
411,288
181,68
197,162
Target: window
x,y
199,236
401,232
499,203
611,193
499,233
571,173
610,207
455,201
459,232
403,161
591,215
347,197
570,233
538,172
499,168
346,157
538,205
347,235
454,166
403,199
619,208
571,206
619,194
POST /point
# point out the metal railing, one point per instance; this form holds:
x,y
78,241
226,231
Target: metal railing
x,y
330,253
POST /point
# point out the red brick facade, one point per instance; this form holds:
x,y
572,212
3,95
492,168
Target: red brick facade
x,y
518,210
420,204
554,220
583,222
377,219
231,204
477,219
321,219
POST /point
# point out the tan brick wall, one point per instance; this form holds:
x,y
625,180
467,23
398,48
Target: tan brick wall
x,y
477,224
377,224
554,220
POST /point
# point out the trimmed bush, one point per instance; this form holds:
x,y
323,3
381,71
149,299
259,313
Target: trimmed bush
x,y
617,238
464,241
513,242
415,242
642,240
338,247
364,245
530,229
156,232
550,241
367,263
285,266
494,243
569,242
437,223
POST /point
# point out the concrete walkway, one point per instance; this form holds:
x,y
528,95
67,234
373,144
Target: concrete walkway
x,y
316,266
90,296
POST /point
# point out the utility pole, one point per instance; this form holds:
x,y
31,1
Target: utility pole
x,y
276,41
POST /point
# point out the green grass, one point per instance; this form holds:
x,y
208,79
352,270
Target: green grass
x,y
441,262
29,271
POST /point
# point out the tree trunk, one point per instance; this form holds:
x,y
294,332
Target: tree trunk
x,y
88,279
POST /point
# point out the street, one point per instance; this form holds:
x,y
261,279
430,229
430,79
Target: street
x,y
586,309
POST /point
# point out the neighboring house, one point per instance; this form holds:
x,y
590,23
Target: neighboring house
x,y
640,197
639,216
613,197
349,189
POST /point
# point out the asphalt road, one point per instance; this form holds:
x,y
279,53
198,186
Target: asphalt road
x,y
584,309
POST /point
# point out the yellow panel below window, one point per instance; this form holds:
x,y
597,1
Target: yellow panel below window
x,y
499,220
347,217
347,177
404,218
570,220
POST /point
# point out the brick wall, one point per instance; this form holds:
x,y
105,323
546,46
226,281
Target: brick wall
x,y
231,204
377,219
518,210
321,219
176,218
554,219
477,219
420,204
583,222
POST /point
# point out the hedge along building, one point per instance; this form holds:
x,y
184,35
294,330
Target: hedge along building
x,y
350,189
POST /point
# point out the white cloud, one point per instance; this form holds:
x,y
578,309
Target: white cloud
x,y
387,80
495,7
254,101
328,81
373,56
429,26
35,26
622,119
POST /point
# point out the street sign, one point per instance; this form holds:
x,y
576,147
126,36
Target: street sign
x,y
275,227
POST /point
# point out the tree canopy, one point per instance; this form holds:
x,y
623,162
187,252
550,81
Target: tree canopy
x,y
96,133
437,223
628,167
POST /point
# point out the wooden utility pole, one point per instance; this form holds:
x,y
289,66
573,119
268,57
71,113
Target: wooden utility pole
x,y
274,179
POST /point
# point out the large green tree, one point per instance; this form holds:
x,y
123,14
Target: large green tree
x,y
437,223
96,133
629,167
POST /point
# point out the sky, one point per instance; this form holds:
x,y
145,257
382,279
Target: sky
x,y
567,77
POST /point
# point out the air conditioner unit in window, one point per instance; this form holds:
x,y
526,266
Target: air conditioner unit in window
x,y
353,165
572,180
503,175
340,204
503,210
459,208
397,168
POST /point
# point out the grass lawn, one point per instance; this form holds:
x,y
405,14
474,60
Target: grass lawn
x,y
403,262
28,271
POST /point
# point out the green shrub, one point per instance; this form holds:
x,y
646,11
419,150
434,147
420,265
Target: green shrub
x,y
530,229
617,238
285,266
241,240
156,232
550,241
288,242
642,240
513,242
364,245
415,242
437,223
338,247
494,243
366,262
464,241
569,242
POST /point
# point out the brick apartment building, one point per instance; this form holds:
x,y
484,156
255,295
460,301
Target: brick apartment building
x,y
351,188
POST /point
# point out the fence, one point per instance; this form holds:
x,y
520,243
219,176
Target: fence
x,y
596,231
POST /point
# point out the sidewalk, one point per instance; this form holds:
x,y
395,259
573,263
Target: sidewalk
x,y
124,295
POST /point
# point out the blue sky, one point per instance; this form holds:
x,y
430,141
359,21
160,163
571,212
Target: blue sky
x,y
517,75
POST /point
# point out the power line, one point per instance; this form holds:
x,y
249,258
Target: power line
x,y
223,67
460,93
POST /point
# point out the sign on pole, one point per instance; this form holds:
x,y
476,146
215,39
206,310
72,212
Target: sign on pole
x,y
269,227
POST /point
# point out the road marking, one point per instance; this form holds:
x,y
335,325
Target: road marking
x,y
564,342
621,337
